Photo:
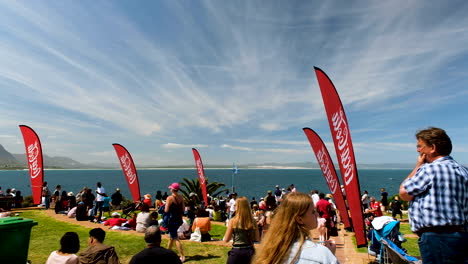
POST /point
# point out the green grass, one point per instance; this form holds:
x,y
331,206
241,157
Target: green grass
x,y
46,235
411,244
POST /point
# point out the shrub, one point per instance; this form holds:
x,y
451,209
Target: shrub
x,y
28,201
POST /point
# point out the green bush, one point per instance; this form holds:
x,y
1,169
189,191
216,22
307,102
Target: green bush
x,y
28,201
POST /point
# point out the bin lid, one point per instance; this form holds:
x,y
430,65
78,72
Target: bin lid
x,y
9,222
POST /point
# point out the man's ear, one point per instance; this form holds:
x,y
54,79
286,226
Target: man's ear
x,y
433,149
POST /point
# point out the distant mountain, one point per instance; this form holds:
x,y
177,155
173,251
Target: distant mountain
x,y
102,165
297,165
6,158
54,162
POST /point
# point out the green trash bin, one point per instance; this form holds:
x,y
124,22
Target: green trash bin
x,y
15,233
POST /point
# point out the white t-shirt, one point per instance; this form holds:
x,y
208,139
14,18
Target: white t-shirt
x,y
99,197
143,220
232,205
315,198
311,253
55,258
365,199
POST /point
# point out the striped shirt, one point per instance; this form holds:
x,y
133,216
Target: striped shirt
x,y
440,191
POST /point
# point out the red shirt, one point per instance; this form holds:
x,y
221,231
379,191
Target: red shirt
x,y
132,223
324,208
148,202
115,222
376,205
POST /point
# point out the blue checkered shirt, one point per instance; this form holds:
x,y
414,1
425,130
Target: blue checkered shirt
x,y
440,191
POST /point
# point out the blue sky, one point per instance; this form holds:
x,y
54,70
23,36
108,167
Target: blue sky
x,y
234,79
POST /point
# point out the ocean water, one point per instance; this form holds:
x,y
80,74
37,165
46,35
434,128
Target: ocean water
x,y
248,182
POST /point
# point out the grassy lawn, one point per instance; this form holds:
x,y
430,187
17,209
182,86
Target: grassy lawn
x,y
46,235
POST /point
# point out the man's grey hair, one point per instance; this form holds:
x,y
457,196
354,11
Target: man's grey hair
x,y
153,235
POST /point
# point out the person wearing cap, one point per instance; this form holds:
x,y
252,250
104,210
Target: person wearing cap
x,y
174,211
154,253
116,200
115,220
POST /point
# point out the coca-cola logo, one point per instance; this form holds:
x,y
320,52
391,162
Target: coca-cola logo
x,y
127,167
341,133
33,155
201,175
326,169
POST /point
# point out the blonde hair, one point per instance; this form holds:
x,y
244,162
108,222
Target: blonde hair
x,y
243,218
284,230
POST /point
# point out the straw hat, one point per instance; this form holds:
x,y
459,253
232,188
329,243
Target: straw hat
x,y
147,196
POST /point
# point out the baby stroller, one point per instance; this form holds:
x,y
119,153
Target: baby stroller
x,y
386,239
131,208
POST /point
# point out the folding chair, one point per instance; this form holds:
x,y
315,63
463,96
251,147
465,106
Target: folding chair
x,y
391,253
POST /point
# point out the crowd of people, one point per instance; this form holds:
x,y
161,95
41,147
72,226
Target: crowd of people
x,y
15,198
283,217
247,221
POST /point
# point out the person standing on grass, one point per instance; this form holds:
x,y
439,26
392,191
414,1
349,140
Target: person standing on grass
x,y
243,231
396,207
116,200
383,200
46,195
365,200
437,190
100,194
174,208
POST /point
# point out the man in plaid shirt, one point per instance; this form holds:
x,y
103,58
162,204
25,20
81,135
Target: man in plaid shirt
x,y
437,189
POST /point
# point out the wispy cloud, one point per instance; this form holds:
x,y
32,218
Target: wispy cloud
x,y
265,141
271,150
149,73
178,146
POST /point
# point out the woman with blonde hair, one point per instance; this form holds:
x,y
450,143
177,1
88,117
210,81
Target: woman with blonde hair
x,y
289,239
242,228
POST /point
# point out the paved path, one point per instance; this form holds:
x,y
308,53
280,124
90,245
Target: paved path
x,y
346,250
